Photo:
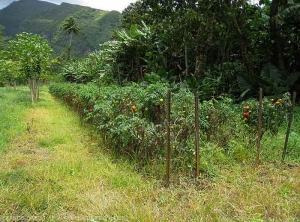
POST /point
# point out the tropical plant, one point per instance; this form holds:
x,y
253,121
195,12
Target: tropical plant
x,y
70,27
272,80
32,53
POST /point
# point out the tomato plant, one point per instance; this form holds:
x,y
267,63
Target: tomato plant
x,y
133,120
273,113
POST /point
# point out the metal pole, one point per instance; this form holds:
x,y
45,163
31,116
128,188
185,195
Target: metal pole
x,y
289,127
259,126
197,133
168,139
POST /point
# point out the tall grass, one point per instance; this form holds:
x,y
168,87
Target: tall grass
x,y
13,105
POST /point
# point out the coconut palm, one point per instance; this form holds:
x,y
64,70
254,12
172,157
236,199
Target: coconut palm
x,y
70,27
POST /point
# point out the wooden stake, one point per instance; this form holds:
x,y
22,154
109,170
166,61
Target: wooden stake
x,y
168,139
259,126
197,133
291,116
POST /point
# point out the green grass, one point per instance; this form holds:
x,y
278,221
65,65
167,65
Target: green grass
x,y
60,171
13,105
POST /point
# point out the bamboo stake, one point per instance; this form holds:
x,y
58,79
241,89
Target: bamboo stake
x,y
259,126
168,140
291,116
197,133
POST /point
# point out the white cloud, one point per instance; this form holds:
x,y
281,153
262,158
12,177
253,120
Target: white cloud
x,y
4,3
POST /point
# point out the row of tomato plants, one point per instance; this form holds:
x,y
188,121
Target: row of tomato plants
x,y
132,119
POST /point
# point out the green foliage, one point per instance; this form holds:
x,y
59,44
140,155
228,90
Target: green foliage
x,y
32,55
11,73
100,66
2,38
212,45
272,80
275,113
132,122
70,27
32,52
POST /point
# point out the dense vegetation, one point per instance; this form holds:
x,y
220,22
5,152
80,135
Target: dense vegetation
x,y
227,48
45,19
133,120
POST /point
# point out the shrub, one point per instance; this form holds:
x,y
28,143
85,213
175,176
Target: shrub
x,y
132,121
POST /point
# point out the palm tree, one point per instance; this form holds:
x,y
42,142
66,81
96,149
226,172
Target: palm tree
x,y
70,27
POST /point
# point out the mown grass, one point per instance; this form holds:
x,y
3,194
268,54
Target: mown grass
x,y
58,170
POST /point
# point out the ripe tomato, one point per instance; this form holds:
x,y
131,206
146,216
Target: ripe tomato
x,y
279,100
246,115
133,108
272,100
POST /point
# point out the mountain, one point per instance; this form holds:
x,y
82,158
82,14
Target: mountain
x,y
46,18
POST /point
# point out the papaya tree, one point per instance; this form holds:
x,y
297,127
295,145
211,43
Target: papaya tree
x,y
33,53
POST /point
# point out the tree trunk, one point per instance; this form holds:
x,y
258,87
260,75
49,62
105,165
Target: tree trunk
x,y
37,90
30,82
202,51
200,64
244,48
33,89
186,58
277,54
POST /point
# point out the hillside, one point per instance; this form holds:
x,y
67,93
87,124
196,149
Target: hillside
x,y
46,18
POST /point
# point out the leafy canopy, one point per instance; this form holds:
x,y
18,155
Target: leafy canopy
x,y
32,51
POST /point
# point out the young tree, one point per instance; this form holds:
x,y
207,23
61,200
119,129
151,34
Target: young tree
x,y
10,73
33,53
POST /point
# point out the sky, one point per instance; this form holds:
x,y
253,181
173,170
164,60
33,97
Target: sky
x,y
107,5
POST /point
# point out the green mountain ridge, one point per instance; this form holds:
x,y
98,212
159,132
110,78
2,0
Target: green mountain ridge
x,y
45,18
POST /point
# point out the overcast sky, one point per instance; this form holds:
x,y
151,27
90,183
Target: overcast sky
x,y
107,5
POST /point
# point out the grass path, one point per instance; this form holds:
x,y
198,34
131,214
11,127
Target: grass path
x,y
52,169
55,171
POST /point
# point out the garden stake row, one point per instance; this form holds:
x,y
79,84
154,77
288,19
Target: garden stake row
x,y
291,116
168,136
259,126
197,133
